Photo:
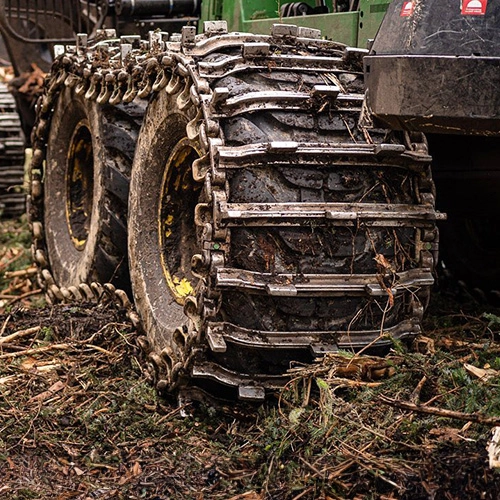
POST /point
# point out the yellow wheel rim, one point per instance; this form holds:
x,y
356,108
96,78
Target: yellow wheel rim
x,y
177,231
79,185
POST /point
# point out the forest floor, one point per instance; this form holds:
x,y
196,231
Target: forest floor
x,y
80,420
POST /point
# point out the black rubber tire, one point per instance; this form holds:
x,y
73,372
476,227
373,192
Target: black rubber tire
x,y
108,135
12,195
310,249
160,312
299,250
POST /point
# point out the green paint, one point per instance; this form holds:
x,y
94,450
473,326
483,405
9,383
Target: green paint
x,y
352,28
371,13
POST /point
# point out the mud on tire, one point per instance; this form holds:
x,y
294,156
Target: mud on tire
x,y
266,226
162,232
89,155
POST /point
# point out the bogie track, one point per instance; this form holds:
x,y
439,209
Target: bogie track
x,y
12,195
266,225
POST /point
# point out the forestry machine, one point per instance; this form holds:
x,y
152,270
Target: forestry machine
x,y
254,177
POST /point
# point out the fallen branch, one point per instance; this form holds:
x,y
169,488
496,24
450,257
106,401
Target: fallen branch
x,y
345,382
440,412
24,296
37,350
22,273
20,333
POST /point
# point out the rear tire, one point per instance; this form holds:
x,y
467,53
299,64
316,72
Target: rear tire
x,y
86,188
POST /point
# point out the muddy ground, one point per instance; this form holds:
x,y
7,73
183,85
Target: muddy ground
x,y
79,419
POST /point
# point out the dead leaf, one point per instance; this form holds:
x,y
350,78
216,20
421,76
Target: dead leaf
x,y
71,451
446,434
384,264
28,363
78,471
34,81
425,345
136,469
384,268
481,373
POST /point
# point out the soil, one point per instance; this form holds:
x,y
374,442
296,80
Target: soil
x,y
79,418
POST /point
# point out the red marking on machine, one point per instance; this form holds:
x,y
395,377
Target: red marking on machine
x,y
474,7
407,9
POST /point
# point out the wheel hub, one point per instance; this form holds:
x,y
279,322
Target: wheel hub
x,y
177,238
79,185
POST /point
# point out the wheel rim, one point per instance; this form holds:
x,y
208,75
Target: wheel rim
x,y
80,185
177,237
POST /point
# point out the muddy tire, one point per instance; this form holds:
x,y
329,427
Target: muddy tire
x,y
311,248
12,195
89,155
266,226
232,298
162,232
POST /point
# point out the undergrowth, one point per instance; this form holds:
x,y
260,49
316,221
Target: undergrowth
x,y
79,418
17,276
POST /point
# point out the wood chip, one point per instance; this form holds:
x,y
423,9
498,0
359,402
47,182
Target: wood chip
x,y
58,386
481,373
494,449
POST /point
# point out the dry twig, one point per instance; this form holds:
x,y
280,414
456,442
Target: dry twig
x,y
440,412
20,333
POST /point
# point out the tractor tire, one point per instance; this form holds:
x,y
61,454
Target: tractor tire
x,y
12,195
234,274
89,156
160,247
